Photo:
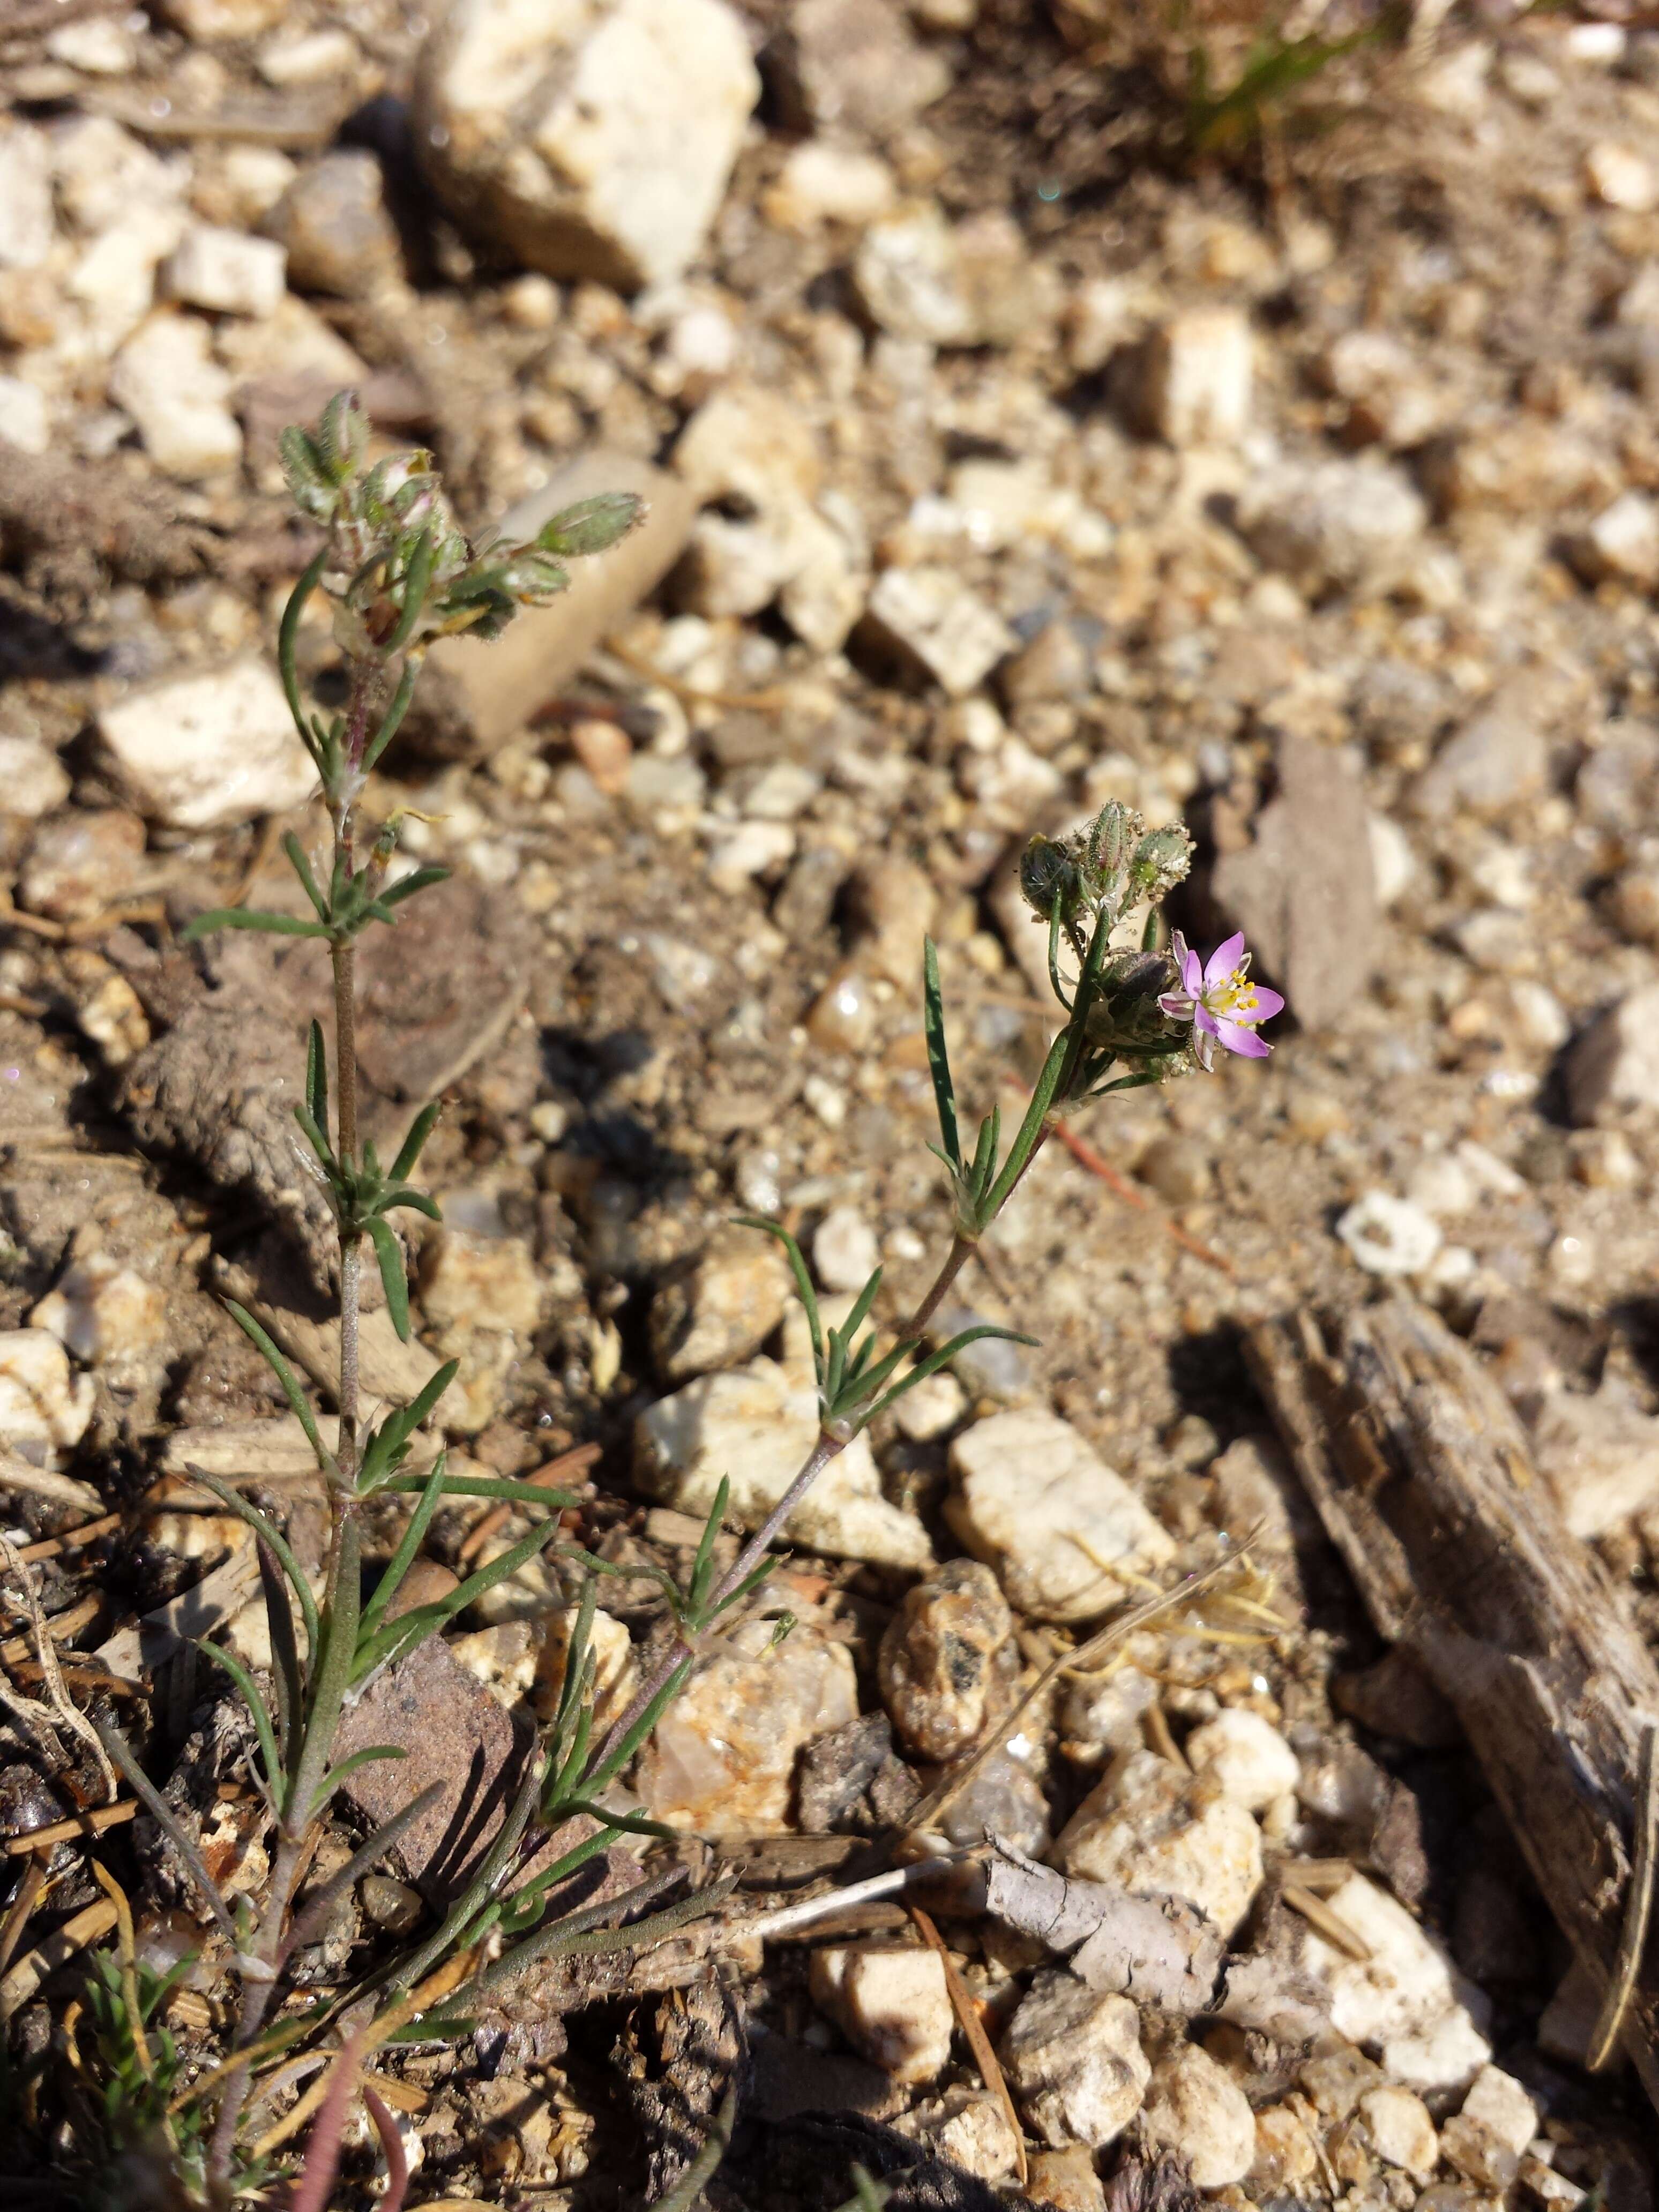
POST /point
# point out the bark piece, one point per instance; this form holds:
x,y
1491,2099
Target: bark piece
x,y
1424,1479
1159,1950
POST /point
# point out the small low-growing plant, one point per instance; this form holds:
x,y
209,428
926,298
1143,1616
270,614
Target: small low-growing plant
x,y
399,573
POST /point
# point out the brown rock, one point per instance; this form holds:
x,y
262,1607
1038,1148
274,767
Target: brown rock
x,y
452,1732
1303,892
333,220
473,696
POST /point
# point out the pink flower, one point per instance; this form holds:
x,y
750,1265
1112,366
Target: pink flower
x,y
1219,1000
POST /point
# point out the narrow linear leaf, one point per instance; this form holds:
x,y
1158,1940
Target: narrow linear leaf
x,y
315,1917
797,1259
256,1705
415,1143
418,578
284,1650
404,1557
271,1537
285,1374
166,1820
417,879
289,630
241,917
301,867
317,1076
389,1253
372,1754
392,720
507,1492
939,1057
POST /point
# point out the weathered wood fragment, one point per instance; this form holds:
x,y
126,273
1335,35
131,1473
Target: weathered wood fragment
x,y
1423,1477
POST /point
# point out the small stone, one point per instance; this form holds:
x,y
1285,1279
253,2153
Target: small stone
x,y
820,182
1249,1759
751,849
595,144
931,1408
26,229
41,1404
1284,2154
1074,2061
311,57
938,1669
1390,395
391,1904
1036,1503
1389,1236
225,272
23,419
890,2001
334,226
1498,2102
1199,369
103,172
1478,2154
722,1759
167,379
1614,1069
481,1297
1065,2180
1195,2109
106,1316
1332,524
1599,1454
721,1308
1393,863
1633,902
197,751
974,285
1401,2132
1177,1168
1620,177
1623,542
33,779
1496,760
208,21
931,619
845,1253
855,65
75,865
97,46
1406,1997
754,1425
969,2128
1157,1831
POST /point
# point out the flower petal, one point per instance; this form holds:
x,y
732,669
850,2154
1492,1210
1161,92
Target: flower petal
x,y
1204,1020
1223,961
1267,1004
1188,966
1237,1038
1177,1005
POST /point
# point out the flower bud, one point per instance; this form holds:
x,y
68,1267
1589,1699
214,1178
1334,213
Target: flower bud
x,y
1047,872
1111,838
1160,861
